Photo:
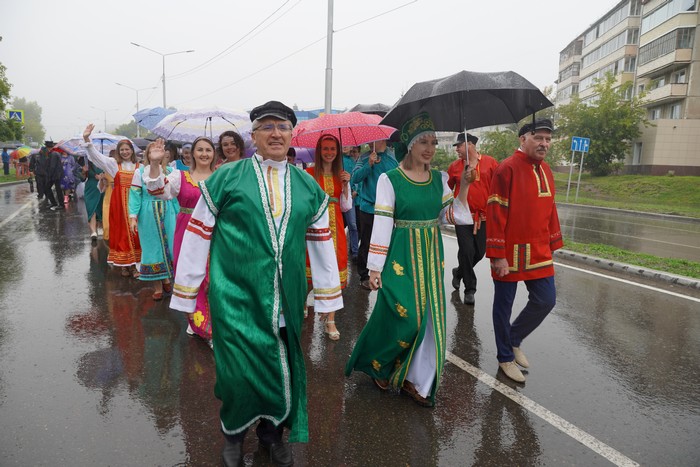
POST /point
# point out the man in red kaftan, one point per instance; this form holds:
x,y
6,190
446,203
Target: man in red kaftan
x,y
522,232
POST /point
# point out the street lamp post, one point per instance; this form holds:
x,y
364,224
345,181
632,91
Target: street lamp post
x,y
105,114
138,133
163,56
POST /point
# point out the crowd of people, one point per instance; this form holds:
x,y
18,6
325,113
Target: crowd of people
x,y
248,246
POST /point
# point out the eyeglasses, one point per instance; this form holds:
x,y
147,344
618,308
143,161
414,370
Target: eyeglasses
x,y
270,127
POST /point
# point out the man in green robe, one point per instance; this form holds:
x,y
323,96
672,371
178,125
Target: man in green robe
x,y
254,222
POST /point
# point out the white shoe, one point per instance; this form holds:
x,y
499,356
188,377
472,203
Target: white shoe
x,y
511,370
520,358
189,331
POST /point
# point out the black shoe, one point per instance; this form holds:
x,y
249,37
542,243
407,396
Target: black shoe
x,y
455,278
280,453
232,454
469,298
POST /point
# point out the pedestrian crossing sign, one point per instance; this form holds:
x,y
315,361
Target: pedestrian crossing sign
x,y
16,115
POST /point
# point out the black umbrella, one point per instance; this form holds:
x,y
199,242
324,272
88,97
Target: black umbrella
x,y
374,109
469,100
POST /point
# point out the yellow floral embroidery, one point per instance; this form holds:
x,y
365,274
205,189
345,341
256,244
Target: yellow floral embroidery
x,y
404,345
398,269
198,318
403,312
376,365
397,364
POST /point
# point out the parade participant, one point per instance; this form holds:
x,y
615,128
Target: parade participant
x,y
106,185
185,160
471,239
522,232
403,343
5,162
329,174
365,174
54,176
230,148
93,198
184,186
350,156
153,220
124,246
68,180
39,166
254,221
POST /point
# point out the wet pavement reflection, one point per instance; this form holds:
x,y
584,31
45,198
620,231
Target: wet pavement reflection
x,y
94,372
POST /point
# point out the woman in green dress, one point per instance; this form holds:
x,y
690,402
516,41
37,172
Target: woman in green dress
x,y
403,343
93,197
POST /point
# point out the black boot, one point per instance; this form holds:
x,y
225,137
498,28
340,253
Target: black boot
x,y
280,453
232,454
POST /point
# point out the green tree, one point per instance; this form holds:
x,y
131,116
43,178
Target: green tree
x,y
612,122
499,144
9,129
32,119
126,129
442,159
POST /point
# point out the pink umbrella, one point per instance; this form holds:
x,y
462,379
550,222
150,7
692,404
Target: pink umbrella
x,y
351,128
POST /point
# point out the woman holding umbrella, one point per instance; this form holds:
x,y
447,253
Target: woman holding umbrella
x,y
124,245
403,343
329,174
184,185
230,147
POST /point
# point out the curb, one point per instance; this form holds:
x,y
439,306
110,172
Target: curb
x,y
630,270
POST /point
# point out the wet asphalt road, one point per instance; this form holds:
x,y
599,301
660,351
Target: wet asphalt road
x,y
93,372
666,236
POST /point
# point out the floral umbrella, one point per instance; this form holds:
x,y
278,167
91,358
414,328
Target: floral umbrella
x,y
187,125
103,142
351,128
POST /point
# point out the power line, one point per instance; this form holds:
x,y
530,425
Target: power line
x,y
375,17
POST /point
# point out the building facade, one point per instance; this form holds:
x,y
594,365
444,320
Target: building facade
x,y
654,44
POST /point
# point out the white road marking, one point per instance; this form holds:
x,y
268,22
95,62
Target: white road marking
x,y
15,214
553,419
624,281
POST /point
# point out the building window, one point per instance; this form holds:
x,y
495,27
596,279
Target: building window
x,y
677,39
635,8
637,154
630,64
658,82
678,77
665,12
640,89
655,113
675,112
604,50
633,36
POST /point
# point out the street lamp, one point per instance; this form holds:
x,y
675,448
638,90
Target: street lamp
x,y
105,112
138,133
163,56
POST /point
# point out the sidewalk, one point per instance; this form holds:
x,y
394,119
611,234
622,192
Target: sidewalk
x,y
630,271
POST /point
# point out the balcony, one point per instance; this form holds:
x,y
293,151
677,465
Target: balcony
x,y
678,56
669,92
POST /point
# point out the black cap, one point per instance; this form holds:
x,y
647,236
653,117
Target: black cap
x,y
273,109
49,144
539,124
460,139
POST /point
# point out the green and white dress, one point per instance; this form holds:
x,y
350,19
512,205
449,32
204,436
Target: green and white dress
x,y
405,335
254,221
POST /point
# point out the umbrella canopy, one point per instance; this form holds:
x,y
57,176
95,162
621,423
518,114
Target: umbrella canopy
x,y
469,100
20,152
375,109
351,128
103,142
188,125
149,118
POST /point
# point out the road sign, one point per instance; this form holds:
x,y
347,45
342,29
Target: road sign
x,y
580,144
16,115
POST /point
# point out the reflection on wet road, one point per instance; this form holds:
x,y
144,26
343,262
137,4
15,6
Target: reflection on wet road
x,y
93,372
665,236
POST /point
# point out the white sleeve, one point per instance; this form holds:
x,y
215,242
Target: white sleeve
x,y
192,262
164,186
324,266
345,201
383,224
453,211
105,163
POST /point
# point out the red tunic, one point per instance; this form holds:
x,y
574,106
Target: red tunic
x,y
124,246
523,224
480,188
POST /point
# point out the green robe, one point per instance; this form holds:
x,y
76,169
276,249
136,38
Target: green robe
x,y
412,282
256,272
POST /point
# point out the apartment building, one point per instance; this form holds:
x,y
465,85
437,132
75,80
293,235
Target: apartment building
x,y
654,44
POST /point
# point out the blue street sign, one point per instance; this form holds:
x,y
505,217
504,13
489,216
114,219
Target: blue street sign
x,y
580,144
17,115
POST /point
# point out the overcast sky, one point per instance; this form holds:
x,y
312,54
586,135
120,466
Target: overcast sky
x,y
67,55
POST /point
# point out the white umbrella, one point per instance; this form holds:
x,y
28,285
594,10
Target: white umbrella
x,y
187,125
